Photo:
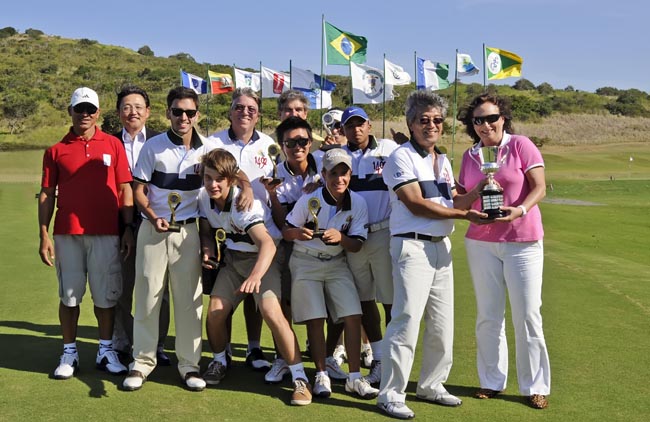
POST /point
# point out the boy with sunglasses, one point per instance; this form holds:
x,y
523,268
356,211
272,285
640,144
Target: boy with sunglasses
x,y
91,172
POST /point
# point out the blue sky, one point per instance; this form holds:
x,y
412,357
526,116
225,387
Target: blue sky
x,y
582,43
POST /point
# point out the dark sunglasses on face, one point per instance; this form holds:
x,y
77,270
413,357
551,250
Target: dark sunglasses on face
x,y
436,121
491,118
291,143
178,112
85,108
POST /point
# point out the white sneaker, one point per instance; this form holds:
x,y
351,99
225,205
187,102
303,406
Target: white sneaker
x,y
194,381
322,386
442,397
397,409
277,372
133,381
340,355
109,362
362,387
67,366
374,376
334,370
366,355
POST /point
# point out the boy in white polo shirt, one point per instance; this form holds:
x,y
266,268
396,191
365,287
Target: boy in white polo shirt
x,y
322,225
251,267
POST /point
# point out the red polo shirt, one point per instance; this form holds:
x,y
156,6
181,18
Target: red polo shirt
x,y
87,173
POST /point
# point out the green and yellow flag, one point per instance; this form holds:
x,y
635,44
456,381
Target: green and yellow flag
x,y
501,64
343,47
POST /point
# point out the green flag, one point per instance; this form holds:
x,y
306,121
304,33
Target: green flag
x,y
502,64
344,46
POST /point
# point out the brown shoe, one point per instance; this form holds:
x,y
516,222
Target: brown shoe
x,y
301,393
538,401
486,393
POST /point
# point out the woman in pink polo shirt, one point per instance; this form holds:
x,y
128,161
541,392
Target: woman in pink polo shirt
x,y
508,255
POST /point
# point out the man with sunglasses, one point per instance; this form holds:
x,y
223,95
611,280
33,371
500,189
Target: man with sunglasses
x,y
250,148
90,170
293,102
169,164
133,109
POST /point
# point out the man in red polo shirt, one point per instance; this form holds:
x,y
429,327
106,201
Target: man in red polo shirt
x,y
87,175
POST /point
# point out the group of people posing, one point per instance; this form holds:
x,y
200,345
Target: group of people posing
x,y
298,231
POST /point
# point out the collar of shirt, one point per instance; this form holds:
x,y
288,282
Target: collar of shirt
x,y
421,151
233,137
347,200
372,144
228,206
177,140
140,137
311,166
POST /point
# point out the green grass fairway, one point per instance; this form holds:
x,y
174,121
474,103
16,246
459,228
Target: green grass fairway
x,y
596,316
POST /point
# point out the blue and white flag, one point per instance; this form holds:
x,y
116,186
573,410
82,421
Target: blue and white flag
x,y
199,85
431,75
368,85
465,66
314,87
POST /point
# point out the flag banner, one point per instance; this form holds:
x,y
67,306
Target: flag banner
x,y
343,47
199,85
245,79
368,85
502,64
431,75
220,83
274,82
465,66
314,87
395,74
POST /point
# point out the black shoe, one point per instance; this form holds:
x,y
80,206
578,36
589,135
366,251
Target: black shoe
x,y
163,359
256,360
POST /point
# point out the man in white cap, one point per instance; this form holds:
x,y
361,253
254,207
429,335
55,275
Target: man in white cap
x,y
91,172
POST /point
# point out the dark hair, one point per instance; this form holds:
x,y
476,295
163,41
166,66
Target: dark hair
x,y
290,95
222,162
290,123
128,90
180,93
466,114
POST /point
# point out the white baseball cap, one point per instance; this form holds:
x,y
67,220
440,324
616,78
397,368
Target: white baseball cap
x,y
334,157
84,95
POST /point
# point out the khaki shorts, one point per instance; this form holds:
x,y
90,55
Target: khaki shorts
x,y
238,265
319,285
92,258
372,268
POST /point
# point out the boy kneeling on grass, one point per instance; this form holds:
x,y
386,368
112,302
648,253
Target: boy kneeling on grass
x,y
323,224
251,267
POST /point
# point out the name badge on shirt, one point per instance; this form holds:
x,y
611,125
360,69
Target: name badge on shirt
x,y
107,160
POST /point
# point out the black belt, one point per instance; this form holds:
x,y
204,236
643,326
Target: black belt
x,y
184,222
418,236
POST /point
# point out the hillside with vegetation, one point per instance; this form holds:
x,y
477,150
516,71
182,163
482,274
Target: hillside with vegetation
x,y
39,72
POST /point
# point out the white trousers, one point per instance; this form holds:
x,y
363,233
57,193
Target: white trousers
x,y
424,286
515,267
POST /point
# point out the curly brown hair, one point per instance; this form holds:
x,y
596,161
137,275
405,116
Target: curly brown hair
x,y
466,114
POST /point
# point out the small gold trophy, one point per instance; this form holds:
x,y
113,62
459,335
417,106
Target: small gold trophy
x,y
173,200
220,237
314,208
274,151
209,275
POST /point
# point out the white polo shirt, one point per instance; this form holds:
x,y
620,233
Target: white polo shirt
x,y
411,164
351,220
290,190
367,176
252,157
166,166
237,223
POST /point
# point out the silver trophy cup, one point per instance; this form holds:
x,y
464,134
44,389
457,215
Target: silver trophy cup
x,y
492,195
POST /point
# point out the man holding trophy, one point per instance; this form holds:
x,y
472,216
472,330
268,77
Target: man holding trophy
x,y
506,257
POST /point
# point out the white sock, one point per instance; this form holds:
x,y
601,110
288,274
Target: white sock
x,y
322,373
298,371
70,348
354,375
376,350
220,357
105,346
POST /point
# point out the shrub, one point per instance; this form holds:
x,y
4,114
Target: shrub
x,y
524,85
145,50
34,33
7,32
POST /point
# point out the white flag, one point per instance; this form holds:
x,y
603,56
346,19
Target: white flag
x,y
314,87
274,83
396,75
245,79
465,66
368,85
431,75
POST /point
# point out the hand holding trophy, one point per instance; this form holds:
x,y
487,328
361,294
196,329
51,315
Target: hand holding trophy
x,y
314,207
274,151
492,194
173,200
220,237
209,275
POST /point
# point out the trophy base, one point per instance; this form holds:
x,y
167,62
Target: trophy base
x,y
494,213
318,234
174,228
274,181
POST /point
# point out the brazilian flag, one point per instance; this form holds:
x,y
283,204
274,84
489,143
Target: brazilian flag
x,y
343,46
500,64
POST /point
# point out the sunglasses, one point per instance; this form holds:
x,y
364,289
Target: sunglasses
x,y
178,112
491,118
85,108
436,121
240,108
291,143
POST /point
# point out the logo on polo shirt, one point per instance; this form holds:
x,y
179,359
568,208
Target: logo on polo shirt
x,y
261,160
378,166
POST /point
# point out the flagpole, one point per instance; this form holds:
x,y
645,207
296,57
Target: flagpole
x,y
484,68
453,127
261,97
207,105
383,104
322,71
351,88
415,67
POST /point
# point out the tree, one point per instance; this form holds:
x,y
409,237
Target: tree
x,y
545,88
34,33
15,110
524,85
145,50
7,32
608,91
111,122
